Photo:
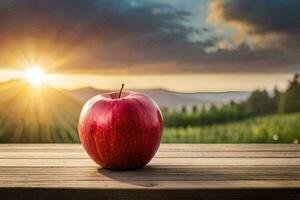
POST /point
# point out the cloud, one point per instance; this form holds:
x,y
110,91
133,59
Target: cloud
x,y
109,35
261,24
122,36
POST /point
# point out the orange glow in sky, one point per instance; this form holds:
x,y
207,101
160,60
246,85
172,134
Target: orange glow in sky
x,y
180,82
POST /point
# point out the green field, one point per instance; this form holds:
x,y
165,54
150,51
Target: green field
x,y
30,115
49,115
268,129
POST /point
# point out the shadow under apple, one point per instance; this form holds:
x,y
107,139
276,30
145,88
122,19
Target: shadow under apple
x,y
145,177
157,176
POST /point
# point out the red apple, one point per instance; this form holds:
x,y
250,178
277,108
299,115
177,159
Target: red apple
x,y
121,130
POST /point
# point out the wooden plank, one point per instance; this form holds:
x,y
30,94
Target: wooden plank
x,y
163,147
130,194
52,162
178,171
201,154
202,173
156,185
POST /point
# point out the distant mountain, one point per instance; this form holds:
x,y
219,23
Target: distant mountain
x,y
83,94
31,114
170,99
218,97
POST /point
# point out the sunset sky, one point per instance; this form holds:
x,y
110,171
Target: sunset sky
x,y
183,45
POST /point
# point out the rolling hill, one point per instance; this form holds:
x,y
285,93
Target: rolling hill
x,y
170,99
29,114
83,94
218,97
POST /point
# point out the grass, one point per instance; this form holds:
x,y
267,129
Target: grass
x,y
50,116
268,129
31,115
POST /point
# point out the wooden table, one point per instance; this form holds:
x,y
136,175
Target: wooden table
x,y
179,171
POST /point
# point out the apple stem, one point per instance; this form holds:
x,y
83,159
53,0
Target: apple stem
x,y
121,90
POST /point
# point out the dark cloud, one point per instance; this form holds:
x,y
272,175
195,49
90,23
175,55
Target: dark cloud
x,y
264,23
265,16
106,33
118,36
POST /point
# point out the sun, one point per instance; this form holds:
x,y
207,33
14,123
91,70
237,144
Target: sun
x,y
35,75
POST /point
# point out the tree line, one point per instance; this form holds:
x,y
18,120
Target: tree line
x,y
259,103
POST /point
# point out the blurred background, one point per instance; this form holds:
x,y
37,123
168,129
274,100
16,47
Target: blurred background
x,y
222,71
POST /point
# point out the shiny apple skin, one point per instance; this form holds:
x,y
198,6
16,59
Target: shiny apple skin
x,y
121,133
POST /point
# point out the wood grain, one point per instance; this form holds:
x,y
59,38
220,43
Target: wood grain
x,y
178,171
